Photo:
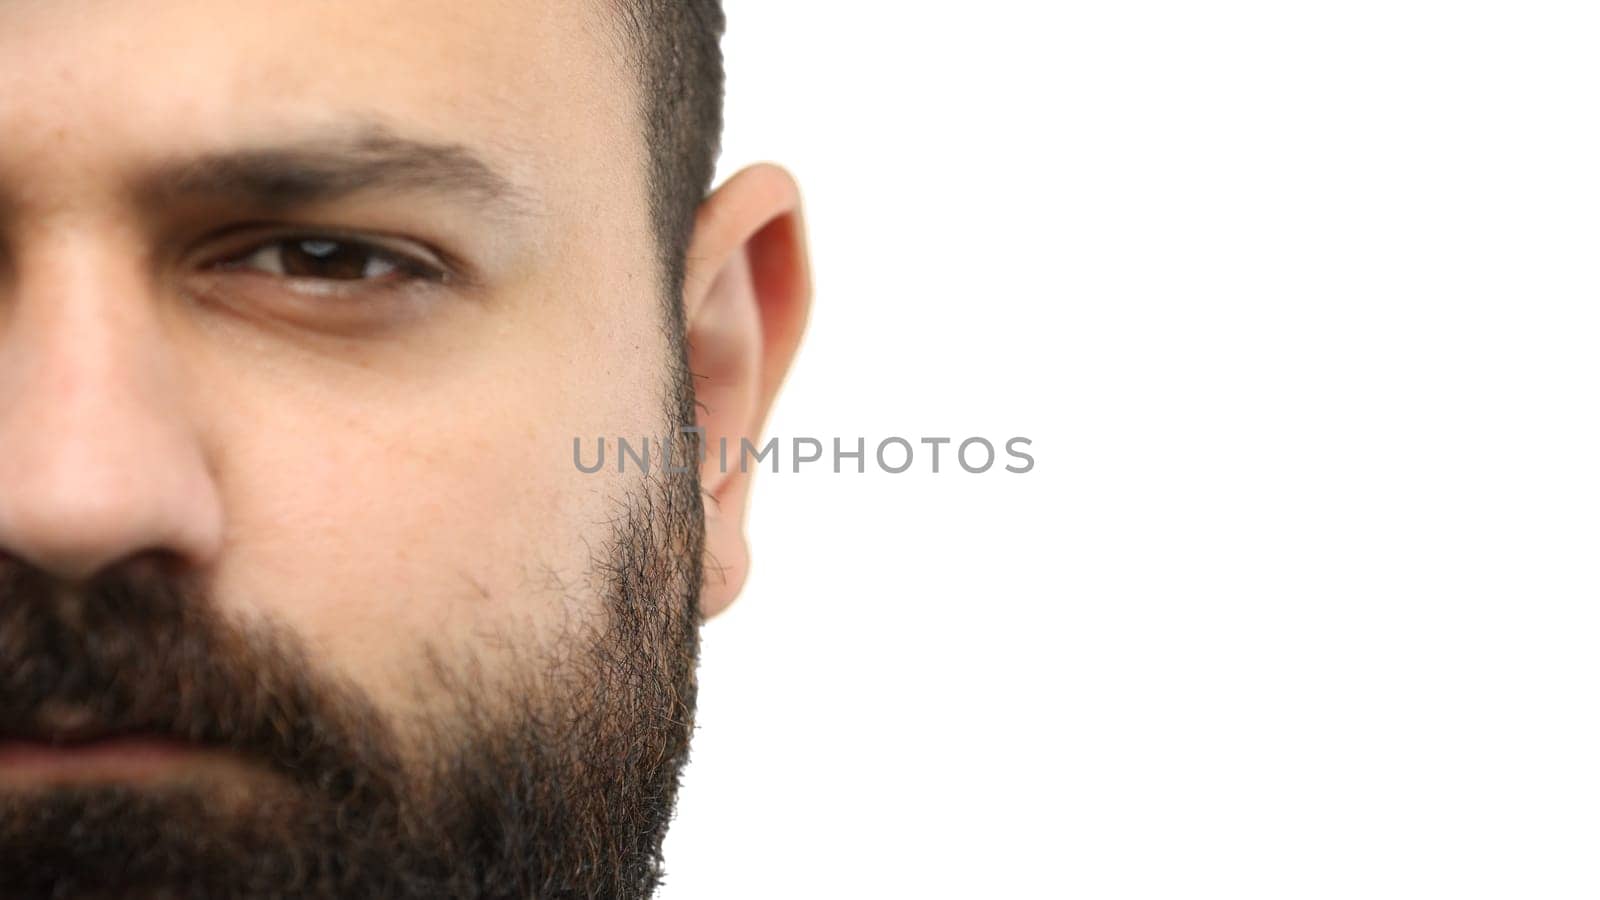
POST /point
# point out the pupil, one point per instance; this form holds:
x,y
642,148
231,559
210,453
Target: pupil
x,y
324,259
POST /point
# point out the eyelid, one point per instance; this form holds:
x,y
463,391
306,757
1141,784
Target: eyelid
x,y
421,261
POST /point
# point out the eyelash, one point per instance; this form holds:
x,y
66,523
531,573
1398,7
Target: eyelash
x,y
408,267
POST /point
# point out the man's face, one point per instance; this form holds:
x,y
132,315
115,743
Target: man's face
x,y
301,307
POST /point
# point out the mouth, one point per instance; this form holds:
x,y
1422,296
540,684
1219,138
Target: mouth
x,y
86,758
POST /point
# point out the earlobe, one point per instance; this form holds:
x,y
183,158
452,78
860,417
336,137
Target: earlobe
x,y
747,292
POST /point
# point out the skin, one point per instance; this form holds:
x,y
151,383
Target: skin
x,y
378,466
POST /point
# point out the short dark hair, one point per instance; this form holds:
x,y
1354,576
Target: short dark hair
x,y
676,51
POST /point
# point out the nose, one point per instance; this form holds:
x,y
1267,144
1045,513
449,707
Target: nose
x,y
99,459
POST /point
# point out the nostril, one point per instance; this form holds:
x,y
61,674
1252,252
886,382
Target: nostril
x,y
150,565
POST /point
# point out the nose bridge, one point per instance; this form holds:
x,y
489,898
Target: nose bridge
x,y
99,459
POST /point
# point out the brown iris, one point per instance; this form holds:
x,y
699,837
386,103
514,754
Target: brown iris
x,y
319,258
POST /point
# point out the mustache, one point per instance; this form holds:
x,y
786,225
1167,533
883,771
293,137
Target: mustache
x,y
140,650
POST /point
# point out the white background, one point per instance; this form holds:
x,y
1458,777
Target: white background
x,y
1298,304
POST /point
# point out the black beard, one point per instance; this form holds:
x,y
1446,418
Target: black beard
x,y
558,786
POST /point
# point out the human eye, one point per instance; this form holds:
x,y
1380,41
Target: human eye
x,y
329,261
326,277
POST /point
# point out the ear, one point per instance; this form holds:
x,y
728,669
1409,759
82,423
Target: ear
x,y
747,291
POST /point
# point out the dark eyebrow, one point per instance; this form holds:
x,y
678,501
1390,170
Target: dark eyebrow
x,y
328,168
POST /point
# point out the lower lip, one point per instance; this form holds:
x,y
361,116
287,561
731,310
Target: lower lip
x,y
130,758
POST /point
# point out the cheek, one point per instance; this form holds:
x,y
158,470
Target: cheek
x,y
451,519
371,545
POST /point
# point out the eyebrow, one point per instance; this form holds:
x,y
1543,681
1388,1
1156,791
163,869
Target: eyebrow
x,y
330,167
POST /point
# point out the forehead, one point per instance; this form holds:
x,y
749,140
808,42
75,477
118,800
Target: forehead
x,y
540,87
